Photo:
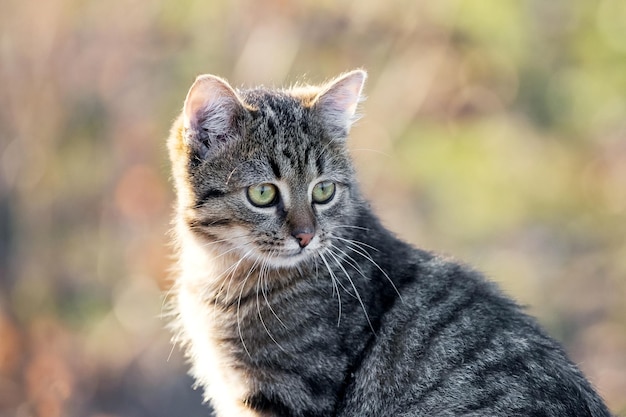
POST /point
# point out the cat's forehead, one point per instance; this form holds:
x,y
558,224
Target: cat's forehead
x,y
280,121
282,141
276,106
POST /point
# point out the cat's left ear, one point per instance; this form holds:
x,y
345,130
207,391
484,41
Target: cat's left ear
x,y
211,114
338,101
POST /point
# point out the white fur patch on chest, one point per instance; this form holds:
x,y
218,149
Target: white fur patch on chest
x,y
225,385
204,327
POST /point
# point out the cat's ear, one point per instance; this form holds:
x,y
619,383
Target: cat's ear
x,y
211,114
338,101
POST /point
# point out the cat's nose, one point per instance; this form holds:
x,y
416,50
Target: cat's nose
x,y
303,237
301,223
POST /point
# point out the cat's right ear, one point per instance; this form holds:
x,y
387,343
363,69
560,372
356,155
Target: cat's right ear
x,y
211,114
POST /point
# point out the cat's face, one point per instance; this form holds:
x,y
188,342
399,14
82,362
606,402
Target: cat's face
x,y
268,178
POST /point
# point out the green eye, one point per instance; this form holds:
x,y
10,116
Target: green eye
x,y
323,192
262,195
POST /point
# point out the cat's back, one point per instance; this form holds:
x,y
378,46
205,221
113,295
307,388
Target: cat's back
x,y
453,344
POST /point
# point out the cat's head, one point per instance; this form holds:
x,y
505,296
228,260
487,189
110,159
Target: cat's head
x,y
264,175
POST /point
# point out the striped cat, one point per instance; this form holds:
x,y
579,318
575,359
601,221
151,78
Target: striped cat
x,y
292,300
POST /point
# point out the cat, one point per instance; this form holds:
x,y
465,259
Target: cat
x,y
291,299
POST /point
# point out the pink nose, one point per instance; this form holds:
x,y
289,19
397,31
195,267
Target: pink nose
x,y
303,238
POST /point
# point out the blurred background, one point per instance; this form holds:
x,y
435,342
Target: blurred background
x,y
494,130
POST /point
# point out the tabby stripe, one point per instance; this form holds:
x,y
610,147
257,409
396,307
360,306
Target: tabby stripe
x,y
307,155
470,356
488,400
208,195
201,224
275,169
452,315
319,165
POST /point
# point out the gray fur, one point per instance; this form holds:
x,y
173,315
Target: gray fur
x,y
358,323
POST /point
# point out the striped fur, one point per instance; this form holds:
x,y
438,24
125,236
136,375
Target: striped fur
x,y
355,323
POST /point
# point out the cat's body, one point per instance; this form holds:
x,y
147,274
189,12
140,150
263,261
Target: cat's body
x,y
292,299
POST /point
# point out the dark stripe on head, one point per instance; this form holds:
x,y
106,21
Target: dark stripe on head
x,y
319,164
208,195
208,223
287,153
307,154
275,169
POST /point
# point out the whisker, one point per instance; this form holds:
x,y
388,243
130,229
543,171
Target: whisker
x,y
348,226
228,239
230,276
354,246
243,285
358,296
333,280
340,284
234,248
263,291
357,243
352,262
169,356
264,270
237,167
164,302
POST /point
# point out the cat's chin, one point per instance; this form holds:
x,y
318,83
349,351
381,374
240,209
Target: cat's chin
x,y
290,259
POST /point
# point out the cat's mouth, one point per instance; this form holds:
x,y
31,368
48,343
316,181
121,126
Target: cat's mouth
x,y
290,257
290,253
293,253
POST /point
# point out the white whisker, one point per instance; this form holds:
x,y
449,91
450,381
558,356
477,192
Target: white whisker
x,y
348,226
356,291
352,262
340,284
228,239
263,291
355,246
357,243
264,269
164,302
237,167
243,284
333,279
229,277
234,248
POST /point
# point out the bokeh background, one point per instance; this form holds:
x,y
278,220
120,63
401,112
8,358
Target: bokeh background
x,y
494,130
